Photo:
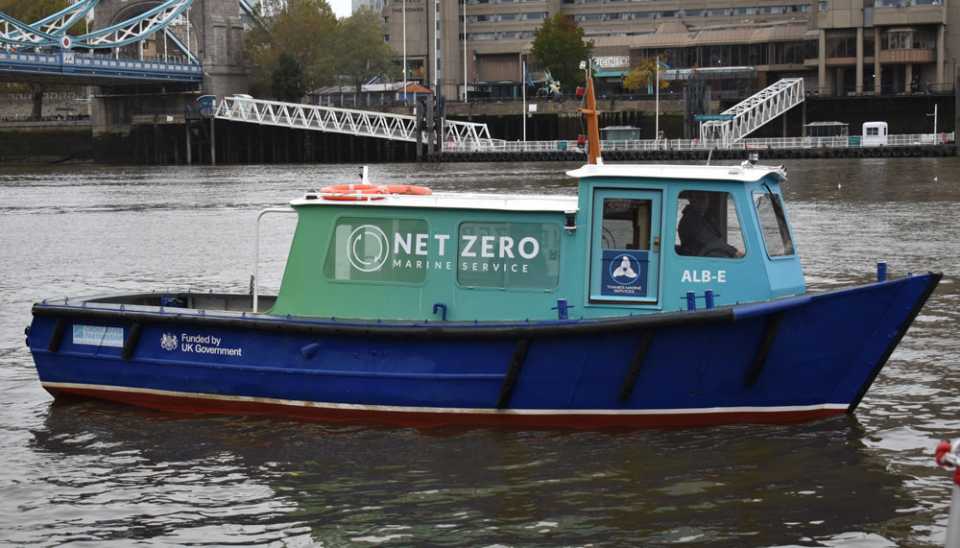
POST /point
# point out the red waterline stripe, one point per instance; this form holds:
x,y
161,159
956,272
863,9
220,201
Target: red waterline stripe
x,y
420,419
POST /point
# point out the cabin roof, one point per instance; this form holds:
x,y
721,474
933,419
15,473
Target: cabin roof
x,y
745,172
499,202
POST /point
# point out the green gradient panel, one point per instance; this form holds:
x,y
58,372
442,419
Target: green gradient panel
x,y
509,255
366,249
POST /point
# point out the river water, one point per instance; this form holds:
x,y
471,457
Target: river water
x,y
98,474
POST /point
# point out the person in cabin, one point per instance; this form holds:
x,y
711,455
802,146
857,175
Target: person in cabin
x,y
699,234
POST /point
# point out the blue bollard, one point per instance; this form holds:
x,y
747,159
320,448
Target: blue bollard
x,y
881,271
691,300
708,298
562,309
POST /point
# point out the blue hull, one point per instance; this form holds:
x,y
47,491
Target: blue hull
x,y
786,360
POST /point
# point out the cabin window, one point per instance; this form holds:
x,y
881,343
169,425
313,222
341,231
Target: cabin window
x,y
708,225
509,255
626,224
384,250
873,131
773,224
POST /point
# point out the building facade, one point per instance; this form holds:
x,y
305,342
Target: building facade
x,y
375,5
840,47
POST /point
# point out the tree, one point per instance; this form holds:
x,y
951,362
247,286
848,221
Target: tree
x,y
305,30
29,11
287,77
642,75
364,53
559,47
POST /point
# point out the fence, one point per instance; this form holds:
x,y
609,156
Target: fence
x,y
907,140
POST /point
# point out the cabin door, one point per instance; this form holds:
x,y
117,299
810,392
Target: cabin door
x,y
625,247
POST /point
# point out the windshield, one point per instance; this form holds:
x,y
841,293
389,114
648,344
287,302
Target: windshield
x,y
773,223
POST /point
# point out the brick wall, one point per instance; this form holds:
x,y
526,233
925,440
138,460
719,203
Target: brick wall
x,y
56,104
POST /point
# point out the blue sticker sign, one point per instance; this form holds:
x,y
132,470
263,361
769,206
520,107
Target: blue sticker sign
x,y
624,273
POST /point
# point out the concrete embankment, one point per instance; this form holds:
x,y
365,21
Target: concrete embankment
x,y
45,142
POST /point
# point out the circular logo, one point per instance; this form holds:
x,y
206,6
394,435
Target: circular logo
x,y
625,269
65,42
367,248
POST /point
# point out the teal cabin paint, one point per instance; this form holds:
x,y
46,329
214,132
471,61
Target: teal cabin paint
x,y
636,240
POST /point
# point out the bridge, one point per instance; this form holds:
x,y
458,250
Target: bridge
x,y
50,50
457,135
150,41
749,115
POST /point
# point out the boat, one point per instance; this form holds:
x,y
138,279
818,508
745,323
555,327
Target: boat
x,y
658,296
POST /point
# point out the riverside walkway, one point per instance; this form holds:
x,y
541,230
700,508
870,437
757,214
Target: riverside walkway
x,y
908,145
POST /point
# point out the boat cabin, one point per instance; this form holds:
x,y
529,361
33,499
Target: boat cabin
x,y
636,239
875,134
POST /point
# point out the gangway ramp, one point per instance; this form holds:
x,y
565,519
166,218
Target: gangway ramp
x,y
753,112
359,123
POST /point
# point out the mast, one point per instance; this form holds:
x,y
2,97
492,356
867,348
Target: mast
x,y
589,111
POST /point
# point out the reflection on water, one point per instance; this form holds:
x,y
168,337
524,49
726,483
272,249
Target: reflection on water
x,y
96,473
265,480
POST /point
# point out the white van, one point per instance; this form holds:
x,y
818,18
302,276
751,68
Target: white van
x,y
874,134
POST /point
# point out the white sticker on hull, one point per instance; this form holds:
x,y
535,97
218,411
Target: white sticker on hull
x,y
98,335
198,344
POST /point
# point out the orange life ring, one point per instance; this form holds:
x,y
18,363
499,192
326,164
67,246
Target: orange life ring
x,y
408,190
352,192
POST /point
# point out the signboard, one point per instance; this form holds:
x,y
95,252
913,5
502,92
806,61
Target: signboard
x,y
482,254
624,273
383,250
98,335
611,61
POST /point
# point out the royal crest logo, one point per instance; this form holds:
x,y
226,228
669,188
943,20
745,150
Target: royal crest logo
x,y
168,342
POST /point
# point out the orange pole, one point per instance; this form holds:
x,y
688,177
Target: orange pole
x,y
589,111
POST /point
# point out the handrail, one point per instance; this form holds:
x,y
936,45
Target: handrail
x,y
775,143
256,254
361,123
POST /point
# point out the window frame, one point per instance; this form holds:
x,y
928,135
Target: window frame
x,y
676,234
331,248
540,290
761,191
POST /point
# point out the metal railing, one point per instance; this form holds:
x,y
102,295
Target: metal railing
x,y
360,123
777,143
753,112
86,64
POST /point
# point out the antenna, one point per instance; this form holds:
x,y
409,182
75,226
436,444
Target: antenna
x,y
589,111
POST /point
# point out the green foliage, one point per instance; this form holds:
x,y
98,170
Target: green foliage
x,y
29,11
559,47
363,52
287,84
306,33
642,76
304,30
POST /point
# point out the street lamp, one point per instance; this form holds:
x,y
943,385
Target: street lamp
x,y
404,18
523,93
436,26
464,51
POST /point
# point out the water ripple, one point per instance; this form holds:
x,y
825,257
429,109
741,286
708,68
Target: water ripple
x,y
89,473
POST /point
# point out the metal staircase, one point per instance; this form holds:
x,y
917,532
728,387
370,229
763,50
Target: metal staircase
x,y
361,123
753,112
